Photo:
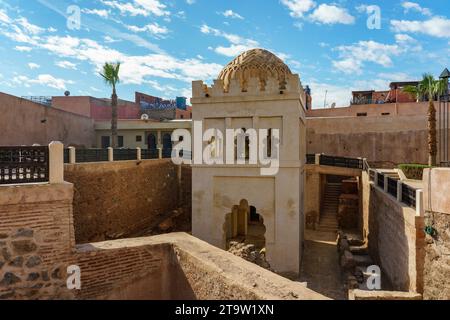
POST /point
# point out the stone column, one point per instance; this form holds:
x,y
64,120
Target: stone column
x,y
110,154
56,162
72,155
138,154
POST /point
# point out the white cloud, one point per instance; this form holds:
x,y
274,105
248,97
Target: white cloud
x,y
33,65
340,95
136,69
330,14
353,56
109,39
412,6
153,28
66,65
139,7
190,2
98,12
437,26
4,17
231,14
44,80
29,27
237,45
298,8
23,49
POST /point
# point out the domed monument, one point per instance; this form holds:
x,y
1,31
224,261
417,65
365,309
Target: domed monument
x,y
252,189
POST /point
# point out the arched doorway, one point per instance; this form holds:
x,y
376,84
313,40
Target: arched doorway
x,y
245,225
151,141
167,145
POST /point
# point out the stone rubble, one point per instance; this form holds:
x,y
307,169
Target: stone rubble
x,y
249,253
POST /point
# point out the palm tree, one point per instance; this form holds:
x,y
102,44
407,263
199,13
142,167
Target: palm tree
x,y
111,76
429,88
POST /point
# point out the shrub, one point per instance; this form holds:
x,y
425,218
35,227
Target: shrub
x,y
413,171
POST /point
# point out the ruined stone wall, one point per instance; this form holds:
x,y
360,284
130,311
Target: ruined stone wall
x,y
395,234
36,239
437,246
122,199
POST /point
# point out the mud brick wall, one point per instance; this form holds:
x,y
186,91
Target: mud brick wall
x,y
395,239
437,247
114,200
36,239
124,269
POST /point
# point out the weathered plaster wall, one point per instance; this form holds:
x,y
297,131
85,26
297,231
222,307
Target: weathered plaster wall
x,y
395,239
120,199
23,122
437,248
409,108
384,141
36,239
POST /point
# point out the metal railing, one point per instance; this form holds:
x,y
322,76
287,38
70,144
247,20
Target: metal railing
x,y
24,164
408,195
147,154
91,155
125,154
341,162
392,186
310,159
380,180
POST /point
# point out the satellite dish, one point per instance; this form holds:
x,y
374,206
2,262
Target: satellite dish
x,y
67,93
144,117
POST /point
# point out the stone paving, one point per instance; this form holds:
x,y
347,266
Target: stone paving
x,y
320,267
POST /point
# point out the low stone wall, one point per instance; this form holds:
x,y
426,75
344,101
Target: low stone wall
x,y
437,246
120,199
395,241
36,239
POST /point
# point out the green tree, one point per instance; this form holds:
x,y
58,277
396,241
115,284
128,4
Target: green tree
x,y
111,76
429,88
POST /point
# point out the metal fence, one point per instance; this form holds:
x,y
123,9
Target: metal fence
x,y
91,155
341,162
380,180
392,186
147,154
408,195
125,154
166,153
24,164
310,159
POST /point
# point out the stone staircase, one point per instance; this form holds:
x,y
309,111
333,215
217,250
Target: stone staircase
x,y
328,220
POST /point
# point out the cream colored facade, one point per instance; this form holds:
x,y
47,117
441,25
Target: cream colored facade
x,y
131,129
256,91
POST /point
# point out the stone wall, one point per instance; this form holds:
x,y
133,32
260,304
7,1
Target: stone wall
x,y
36,239
25,123
395,237
384,141
121,199
437,247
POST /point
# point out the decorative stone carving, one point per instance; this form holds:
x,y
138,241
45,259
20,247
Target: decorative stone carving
x,y
255,63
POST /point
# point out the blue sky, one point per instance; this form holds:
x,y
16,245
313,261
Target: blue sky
x,y
164,45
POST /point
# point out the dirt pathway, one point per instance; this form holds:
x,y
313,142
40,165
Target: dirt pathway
x,y
320,267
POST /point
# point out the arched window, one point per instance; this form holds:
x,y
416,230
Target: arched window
x,y
151,141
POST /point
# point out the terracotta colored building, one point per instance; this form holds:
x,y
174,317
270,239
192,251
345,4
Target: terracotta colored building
x,y
100,109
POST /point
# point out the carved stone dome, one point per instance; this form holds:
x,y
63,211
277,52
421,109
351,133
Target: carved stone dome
x,y
255,63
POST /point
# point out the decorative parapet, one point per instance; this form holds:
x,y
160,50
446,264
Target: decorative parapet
x,y
252,87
